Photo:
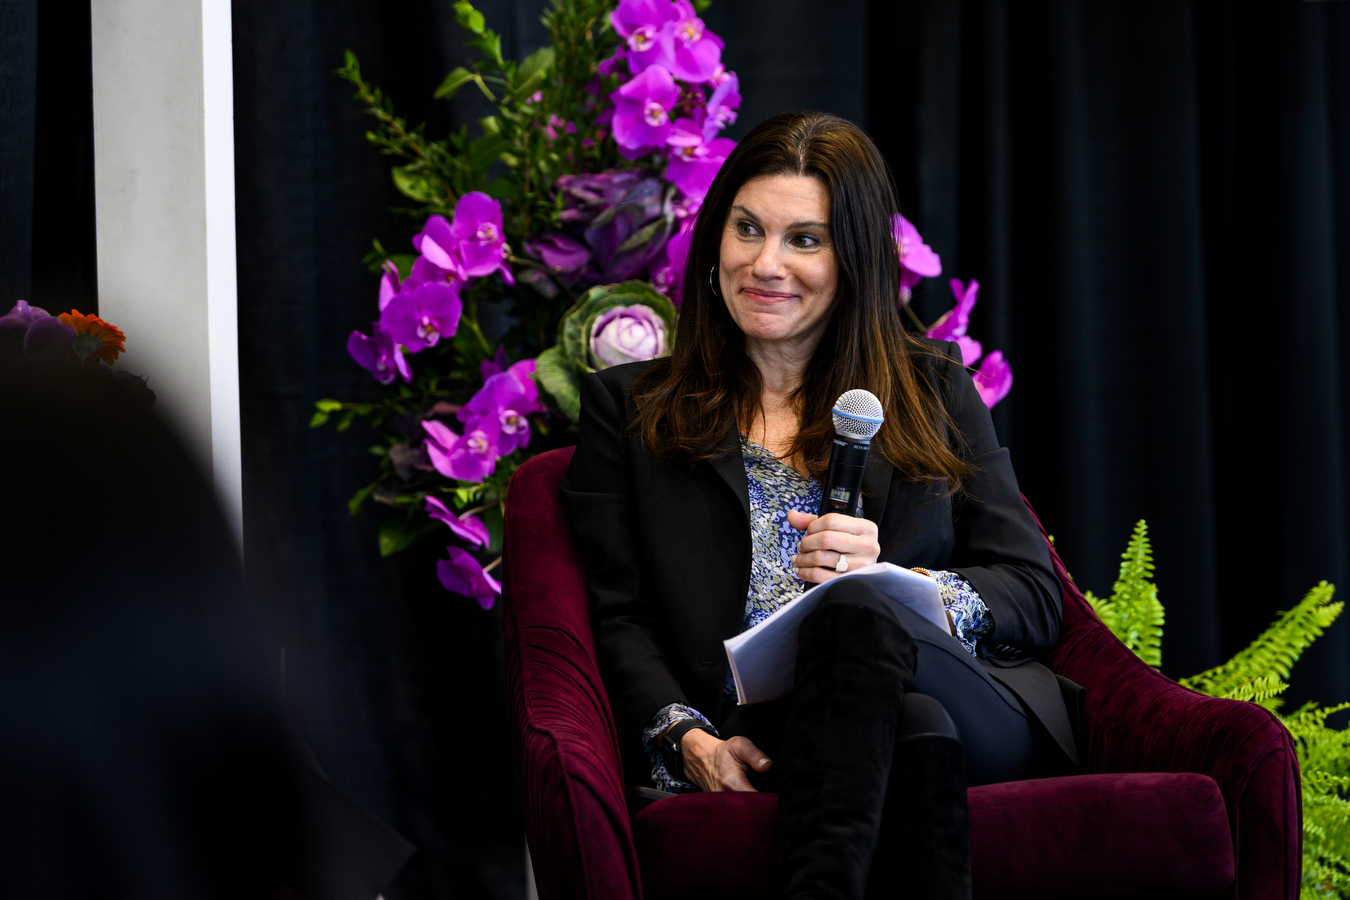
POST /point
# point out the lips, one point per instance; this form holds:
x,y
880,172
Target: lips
x,y
767,296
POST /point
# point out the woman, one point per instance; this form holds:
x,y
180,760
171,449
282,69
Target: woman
x,y
693,495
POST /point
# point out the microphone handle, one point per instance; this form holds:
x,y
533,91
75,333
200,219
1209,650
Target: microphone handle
x,y
843,482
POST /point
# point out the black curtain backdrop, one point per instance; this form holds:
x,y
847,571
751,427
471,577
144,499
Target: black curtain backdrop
x,y
1155,197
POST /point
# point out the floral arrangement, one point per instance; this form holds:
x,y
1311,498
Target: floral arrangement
x,y
570,212
32,335
1135,615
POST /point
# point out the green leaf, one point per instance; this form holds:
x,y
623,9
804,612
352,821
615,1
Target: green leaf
x,y
416,183
492,518
492,46
319,419
328,406
701,5
503,188
404,263
354,504
454,81
399,530
562,380
485,151
530,75
469,17
346,421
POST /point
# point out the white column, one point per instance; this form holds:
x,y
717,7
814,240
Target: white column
x,y
164,191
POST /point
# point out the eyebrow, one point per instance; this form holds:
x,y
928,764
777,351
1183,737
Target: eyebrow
x,y
824,225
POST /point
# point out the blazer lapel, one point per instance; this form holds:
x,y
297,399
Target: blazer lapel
x,y
876,486
730,465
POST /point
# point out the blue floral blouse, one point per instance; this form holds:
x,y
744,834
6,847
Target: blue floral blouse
x,y
775,488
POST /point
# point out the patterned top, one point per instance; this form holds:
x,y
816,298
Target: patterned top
x,y
775,488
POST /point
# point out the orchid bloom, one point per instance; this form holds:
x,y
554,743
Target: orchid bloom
x,y
640,23
438,246
380,355
692,53
461,574
917,259
955,322
695,160
506,398
389,283
722,105
420,317
477,228
471,456
642,110
668,272
469,529
994,378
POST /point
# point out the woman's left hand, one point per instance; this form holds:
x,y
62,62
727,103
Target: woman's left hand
x,y
827,538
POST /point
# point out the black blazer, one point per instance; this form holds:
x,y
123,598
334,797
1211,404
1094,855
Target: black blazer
x,y
667,546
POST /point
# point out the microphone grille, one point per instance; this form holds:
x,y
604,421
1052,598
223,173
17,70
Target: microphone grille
x,y
858,415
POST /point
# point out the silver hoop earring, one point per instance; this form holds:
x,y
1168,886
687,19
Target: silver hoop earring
x,y
711,287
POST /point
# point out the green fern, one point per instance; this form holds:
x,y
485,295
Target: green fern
x,y
1133,612
1257,674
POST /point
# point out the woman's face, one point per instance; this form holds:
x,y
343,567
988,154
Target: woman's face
x,y
777,267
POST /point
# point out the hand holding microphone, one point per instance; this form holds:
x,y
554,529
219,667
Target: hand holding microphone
x,y
838,538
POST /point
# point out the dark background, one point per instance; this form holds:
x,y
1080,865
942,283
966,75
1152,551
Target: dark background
x,y
1155,197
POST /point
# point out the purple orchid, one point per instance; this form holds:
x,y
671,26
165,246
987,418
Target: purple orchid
x,y
477,228
389,283
668,270
917,259
489,367
471,456
689,51
462,574
420,317
642,111
469,529
695,160
506,398
380,355
439,248
641,23
22,316
722,105
956,321
994,378
616,64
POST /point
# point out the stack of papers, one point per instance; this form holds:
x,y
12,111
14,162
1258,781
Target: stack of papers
x,y
764,659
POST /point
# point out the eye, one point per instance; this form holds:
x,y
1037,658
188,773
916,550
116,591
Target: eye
x,y
747,229
804,241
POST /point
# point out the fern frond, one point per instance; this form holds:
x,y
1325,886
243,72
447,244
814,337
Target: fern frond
x,y
1264,690
1133,612
1276,649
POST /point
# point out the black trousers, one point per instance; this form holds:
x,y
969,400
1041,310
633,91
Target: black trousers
x,y
993,726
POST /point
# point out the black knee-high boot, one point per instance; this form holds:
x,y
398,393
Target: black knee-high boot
x,y
854,665
923,851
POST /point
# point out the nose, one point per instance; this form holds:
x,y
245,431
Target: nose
x,y
769,263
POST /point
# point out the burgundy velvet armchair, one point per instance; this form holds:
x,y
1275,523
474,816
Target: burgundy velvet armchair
x,y
1183,795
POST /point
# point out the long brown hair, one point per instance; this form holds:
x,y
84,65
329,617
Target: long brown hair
x,y
688,402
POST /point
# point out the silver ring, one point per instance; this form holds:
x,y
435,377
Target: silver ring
x,y
842,565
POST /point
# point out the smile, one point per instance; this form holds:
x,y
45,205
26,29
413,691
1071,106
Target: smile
x,y
767,296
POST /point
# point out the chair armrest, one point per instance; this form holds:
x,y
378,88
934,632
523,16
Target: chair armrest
x,y
563,743
1138,720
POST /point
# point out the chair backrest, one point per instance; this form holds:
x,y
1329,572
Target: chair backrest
x,y
563,741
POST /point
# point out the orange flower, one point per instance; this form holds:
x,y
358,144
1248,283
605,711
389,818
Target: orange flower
x,y
95,339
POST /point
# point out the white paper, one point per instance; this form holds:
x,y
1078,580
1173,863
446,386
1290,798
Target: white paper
x,y
764,659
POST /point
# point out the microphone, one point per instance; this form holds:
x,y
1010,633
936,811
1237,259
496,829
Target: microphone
x,y
857,419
